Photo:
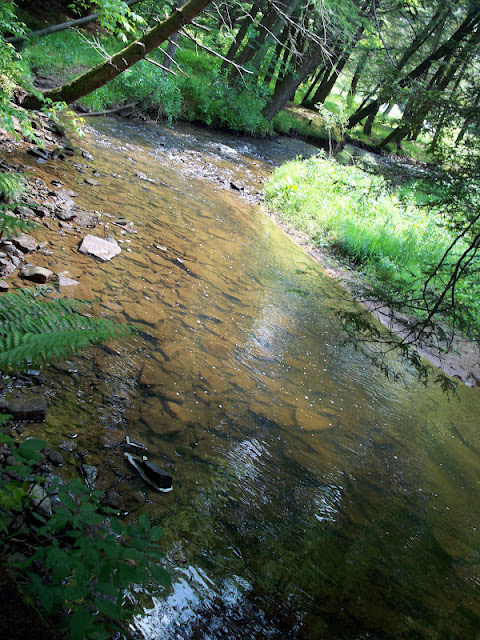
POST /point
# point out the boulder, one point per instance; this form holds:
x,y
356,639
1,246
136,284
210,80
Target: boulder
x,y
3,286
40,500
40,275
99,248
24,242
151,473
34,408
55,457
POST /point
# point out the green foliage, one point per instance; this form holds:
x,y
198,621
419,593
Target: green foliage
x,y
12,187
113,15
396,243
35,329
90,558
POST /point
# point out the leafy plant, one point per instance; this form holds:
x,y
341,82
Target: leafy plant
x,y
89,557
34,329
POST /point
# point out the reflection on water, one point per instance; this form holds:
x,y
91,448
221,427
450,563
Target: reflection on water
x,y
313,498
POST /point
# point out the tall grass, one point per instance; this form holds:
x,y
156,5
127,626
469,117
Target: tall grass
x,y
391,239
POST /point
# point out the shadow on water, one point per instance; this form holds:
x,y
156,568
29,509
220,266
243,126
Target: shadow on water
x,y
313,498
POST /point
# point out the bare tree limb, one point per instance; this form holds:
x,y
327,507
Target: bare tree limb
x,y
215,53
160,66
61,27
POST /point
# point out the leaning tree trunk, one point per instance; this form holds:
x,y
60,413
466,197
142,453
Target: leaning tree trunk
x,y
469,23
172,43
272,65
241,34
289,85
124,59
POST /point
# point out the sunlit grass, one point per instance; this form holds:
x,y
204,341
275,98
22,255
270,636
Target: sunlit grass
x,y
385,234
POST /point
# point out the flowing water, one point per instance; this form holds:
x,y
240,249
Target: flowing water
x,y
313,497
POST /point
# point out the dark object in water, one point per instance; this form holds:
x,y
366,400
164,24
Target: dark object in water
x,y
151,473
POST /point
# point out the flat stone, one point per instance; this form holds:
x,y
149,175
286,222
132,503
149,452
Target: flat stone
x,y
92,182
24,242
85,219
34,409
65,214
4,286
99,248
63,281
40,275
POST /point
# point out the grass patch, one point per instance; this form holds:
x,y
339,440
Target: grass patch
x,y
386,234
201,93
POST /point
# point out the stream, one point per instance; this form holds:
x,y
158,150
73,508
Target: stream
x,y
313,497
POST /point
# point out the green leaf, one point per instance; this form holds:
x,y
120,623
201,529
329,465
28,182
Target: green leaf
x,y
155,533
108,608
30,449
144,522
116,525
79,623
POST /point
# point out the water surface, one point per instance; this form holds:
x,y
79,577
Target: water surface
x,y
313,497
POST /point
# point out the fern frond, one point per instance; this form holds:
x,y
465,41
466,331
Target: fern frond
x,y
10,224
34,330
12,187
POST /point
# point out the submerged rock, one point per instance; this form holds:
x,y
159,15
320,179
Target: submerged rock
x,y
90,473
34,409
113,500
24,242
99,248
55,457
151,473
40,500
40,275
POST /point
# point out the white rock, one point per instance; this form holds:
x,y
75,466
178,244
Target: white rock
x,y
99,248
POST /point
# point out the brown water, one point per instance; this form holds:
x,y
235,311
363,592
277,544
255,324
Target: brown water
x,y
313,498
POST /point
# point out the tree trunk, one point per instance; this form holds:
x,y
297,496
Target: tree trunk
x,y
124,59
172,42
471,20
287,88
468,119
356,75
328,81
241,33
273,32
367,127
281,44
319,77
